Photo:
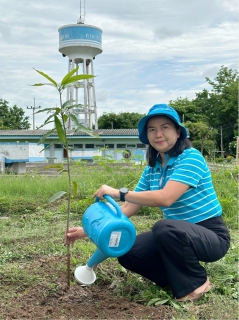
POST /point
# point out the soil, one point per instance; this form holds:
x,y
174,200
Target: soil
x,y
59,302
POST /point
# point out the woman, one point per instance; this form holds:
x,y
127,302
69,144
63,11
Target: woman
x,y
177,180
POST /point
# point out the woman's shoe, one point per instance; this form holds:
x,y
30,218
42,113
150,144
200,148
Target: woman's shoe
x,y
193,296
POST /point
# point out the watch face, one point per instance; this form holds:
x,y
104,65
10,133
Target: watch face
x,y
123,190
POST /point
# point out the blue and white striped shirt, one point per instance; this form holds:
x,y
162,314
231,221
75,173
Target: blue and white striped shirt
x,y
199,202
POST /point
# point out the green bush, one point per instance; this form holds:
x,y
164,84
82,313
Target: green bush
x,y
229,159
219,160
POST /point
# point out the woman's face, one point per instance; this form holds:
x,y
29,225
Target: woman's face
x,y
162,133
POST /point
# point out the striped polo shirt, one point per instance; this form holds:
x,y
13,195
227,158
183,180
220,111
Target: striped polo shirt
x,y
199,202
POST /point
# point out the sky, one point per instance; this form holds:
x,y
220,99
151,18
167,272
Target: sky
x,y
154,51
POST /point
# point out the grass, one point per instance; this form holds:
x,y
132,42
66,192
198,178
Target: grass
x,y
32,230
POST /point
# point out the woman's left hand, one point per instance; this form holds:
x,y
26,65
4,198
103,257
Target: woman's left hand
x,y
104,189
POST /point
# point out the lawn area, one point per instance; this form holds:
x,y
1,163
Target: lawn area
x,y
33,258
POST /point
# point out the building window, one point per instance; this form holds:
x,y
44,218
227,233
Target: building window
x,y
70,146
131,145
120,145
58,146
141,145
110,146
89,146
78,146
99,146
126,154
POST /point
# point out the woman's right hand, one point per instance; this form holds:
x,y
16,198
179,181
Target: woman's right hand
x,y
74,234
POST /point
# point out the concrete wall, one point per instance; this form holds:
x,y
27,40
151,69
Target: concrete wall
x,y
15,152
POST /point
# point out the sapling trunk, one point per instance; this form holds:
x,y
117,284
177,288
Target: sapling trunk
x,y
69,199
60,117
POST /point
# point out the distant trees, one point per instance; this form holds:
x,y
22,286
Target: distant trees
x,y
212,117
220,105
12,118
217,109
202,135
123,120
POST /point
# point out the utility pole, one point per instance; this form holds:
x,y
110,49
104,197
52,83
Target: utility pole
x,y
33,110
237,150
221,142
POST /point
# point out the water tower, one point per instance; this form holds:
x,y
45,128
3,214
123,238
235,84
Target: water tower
x,y
81,43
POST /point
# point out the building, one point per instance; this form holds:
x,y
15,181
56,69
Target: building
x,y
21,146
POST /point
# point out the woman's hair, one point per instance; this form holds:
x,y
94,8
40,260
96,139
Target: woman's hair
x,y
180,145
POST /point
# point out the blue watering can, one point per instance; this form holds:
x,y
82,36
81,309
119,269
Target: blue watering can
x,y
110,230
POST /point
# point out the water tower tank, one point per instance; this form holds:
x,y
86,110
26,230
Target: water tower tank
x,y
81,43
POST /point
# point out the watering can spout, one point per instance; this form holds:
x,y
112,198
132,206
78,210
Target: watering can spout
x,y
96,258
85,274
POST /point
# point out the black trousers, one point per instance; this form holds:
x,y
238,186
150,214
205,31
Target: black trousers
x,y
171,252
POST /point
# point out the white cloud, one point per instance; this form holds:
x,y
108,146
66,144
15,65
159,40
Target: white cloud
x,y
153,51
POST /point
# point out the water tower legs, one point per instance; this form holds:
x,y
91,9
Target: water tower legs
x,y
87,98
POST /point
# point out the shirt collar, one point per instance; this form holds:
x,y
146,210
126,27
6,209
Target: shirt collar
x,y
159,166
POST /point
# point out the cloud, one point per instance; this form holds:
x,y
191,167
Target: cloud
x,y
153,51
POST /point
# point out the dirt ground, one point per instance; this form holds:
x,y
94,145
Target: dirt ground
x,y
77,303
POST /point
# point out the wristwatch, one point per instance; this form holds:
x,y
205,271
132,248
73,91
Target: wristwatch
x,y
123,192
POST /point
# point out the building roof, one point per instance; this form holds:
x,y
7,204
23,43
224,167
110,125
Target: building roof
x,y
39,133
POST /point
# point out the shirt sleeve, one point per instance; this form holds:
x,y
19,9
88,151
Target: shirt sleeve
x,y
190,168
143,183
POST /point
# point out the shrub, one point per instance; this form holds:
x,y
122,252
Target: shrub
x,y
219,160
229,159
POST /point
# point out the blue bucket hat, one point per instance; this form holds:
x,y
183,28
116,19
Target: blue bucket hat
x,y
159,110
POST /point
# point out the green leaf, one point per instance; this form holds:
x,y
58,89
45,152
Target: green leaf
x,y
68,75
47,120
45,123
60,130
74,188
176,305
41,84
74,106
82,128
153,301
74,119
68,102
46,135
161,302
65,118
46,76
79,77
57,196
46,110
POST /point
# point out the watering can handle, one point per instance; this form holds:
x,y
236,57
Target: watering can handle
x,y
114,203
